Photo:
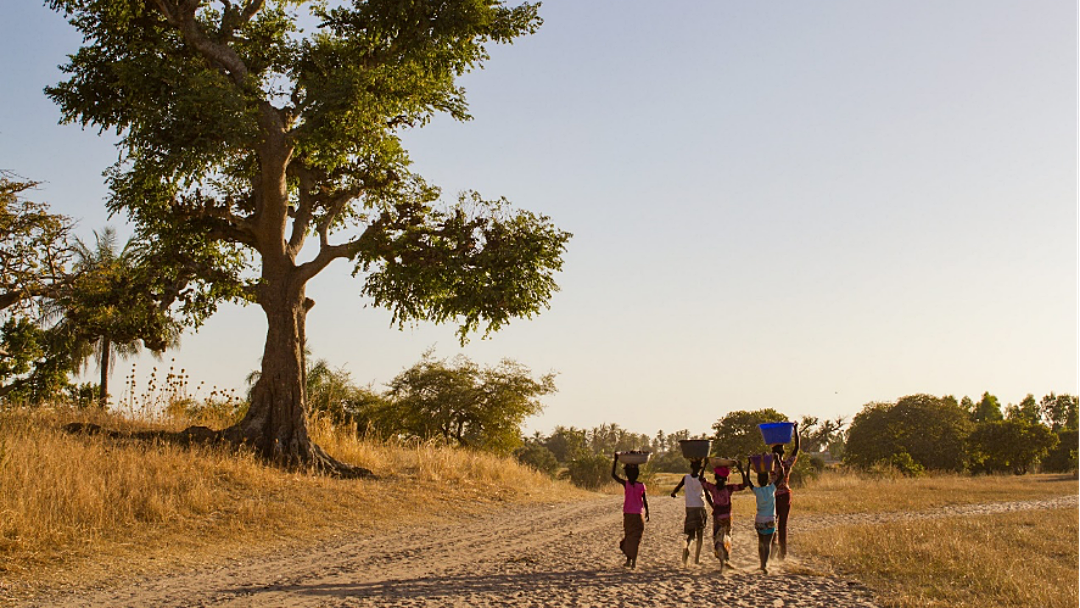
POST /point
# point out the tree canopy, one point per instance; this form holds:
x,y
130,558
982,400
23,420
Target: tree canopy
x,y
736,435
261,141
931,430
464,404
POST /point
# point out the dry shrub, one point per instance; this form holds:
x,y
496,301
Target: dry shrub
x,y
1024,559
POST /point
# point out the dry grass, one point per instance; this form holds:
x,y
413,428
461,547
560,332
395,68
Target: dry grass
x,y
1024,559
80,509
839,493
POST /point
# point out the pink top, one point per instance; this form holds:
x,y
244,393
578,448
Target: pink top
x,y
781,474
721,498
633,497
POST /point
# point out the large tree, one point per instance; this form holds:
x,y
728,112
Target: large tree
x,y
249,128
931,430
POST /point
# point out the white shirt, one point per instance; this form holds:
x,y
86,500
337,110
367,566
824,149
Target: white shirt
x,y
695,494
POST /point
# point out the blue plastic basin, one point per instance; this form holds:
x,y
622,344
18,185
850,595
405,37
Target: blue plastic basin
x,y
777,432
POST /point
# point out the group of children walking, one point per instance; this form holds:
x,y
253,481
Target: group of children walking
x,y
772,494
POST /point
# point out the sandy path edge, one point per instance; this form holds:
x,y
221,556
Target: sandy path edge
x,y
539,555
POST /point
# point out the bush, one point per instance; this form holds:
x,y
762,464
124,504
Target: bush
x,y
807,469
900,464
669,462
537,457
589,471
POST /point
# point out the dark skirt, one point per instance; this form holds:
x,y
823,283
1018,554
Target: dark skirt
x,y
633,527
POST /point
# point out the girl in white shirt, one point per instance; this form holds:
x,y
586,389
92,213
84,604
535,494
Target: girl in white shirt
x,y
696,517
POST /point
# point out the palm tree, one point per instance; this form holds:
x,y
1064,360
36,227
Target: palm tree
x,y
113,313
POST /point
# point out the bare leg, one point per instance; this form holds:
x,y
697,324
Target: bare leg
x,y
764,546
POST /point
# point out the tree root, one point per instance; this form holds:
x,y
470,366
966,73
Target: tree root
x,y
313,459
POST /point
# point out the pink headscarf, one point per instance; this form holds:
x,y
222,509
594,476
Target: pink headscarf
x,y
722,471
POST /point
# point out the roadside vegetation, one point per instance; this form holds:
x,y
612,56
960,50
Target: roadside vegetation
x,y
79,509
1024,559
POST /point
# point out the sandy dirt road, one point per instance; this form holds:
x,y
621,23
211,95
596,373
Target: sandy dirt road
x,y
540,555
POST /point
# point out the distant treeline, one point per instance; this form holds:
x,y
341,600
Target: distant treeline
x,y
923,432
912,435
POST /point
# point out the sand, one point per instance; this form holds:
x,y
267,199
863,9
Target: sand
x,y
539,555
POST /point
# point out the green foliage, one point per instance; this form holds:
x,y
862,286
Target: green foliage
x,y
898,464
1059,411
736,435
1027,410
242,134
1063,456
38,361
34,249
35,356
110,304
464,404
931,430
332,393
820,435
589,470
1015,445
535,455
986,410
671,461
565,442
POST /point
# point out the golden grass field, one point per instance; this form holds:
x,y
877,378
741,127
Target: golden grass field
x,y
1025,559
80,509
83,510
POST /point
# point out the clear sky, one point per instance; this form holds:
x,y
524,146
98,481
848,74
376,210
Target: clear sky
x,y
807,206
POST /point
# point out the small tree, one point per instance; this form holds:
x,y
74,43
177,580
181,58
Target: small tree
x,y
737,435
1059,411
987,409
34,249
1027,410
109,304
465,405
565,442
1063,456
589,470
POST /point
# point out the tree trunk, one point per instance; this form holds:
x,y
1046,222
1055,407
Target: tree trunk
x,y
106,350
276,422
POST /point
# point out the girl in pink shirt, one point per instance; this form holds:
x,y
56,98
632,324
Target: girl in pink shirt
x,y
634,503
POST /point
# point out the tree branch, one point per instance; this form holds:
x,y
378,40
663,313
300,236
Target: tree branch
x,y
181,15
304,214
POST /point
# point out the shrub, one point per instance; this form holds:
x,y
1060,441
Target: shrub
x,y
537,457
589,471
900,464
